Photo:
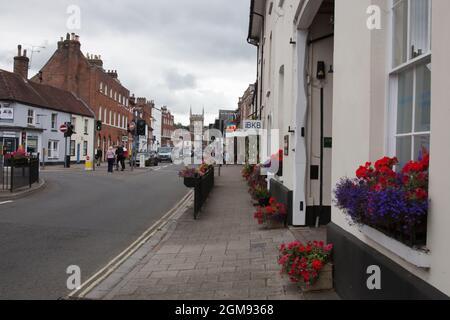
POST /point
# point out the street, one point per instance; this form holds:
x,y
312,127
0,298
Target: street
x,y
79,218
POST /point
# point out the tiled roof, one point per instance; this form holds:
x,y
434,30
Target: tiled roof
x,y
15,88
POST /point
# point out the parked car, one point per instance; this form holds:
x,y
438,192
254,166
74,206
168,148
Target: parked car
x,y
165,154
151,158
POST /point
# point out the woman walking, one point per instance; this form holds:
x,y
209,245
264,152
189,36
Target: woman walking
x,y
111,157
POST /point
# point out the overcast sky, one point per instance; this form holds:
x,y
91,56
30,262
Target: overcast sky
x,y
180,53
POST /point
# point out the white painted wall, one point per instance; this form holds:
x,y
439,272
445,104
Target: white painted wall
x,y
359,120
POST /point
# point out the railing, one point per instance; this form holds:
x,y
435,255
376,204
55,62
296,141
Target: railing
x,y
18,173
202,191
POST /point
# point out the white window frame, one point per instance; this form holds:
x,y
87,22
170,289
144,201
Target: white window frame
x,y
53,150
85,148
31,119
100,113
86,126
393,75
54,121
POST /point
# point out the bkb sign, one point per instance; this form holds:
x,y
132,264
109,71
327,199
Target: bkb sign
x,y
253,125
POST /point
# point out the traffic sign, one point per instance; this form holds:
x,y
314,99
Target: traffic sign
x,y
64,128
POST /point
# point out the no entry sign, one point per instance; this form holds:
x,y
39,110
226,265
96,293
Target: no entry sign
x,y
63,128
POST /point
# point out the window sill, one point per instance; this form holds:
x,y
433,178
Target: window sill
x,y
416,257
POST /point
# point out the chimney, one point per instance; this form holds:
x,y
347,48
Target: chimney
x,y
21,63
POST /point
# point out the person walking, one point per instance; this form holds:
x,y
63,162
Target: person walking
x,y
111,157
99,156
121,157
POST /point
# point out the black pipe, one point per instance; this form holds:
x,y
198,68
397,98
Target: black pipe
x,y
321,150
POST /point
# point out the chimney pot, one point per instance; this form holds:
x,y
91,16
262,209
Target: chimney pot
x,y
25,52
19,50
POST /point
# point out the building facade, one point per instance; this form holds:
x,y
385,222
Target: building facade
x,y
167,127
31,115
346,82
69,69
145,109
245,106
157,128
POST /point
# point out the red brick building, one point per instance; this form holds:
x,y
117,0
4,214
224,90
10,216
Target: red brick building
x,y
167,127
145,108
71,70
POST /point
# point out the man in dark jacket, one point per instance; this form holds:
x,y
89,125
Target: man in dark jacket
x,y
120,153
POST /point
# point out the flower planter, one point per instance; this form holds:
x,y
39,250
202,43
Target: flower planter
x,y
264,202
324,282
191,182
271,224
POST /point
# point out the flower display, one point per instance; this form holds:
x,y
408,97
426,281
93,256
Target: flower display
x,y
390,201
303,263
192,172
274,211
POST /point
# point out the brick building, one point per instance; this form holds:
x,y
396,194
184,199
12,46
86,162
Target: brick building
x,y
168,127
145,109
245,105
71,70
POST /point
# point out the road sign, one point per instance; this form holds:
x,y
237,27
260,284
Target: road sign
x,y
63,128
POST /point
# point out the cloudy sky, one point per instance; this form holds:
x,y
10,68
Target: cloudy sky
x,y
180,53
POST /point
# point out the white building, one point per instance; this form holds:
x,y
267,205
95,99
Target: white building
x,y
157,128
344,89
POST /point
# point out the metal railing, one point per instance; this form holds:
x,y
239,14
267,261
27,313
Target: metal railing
x,y
202,191
18,173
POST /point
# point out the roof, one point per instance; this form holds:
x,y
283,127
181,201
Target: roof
x,y
15,88
256,21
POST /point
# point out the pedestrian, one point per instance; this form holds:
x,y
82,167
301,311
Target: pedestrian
x,y
120,153
110,156
99,156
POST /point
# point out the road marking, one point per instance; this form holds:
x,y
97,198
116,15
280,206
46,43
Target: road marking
x,y
6,202
114,264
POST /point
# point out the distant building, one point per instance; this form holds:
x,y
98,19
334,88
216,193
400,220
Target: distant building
x,y
167,127
145,109
69,69
245,106
157,128
196,121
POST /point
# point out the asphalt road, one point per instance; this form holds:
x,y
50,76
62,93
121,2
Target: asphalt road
x,y
83,219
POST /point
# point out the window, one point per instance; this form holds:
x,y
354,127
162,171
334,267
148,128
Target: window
x,y
106,90
114,120
411,30
110,117
411,82
53,149
54,121
100,114
105,118
111,93
30,119
86,126
72,148
101,86
120,98
85,148
74,124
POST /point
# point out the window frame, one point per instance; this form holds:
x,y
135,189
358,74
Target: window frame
x,y
53,150
393,77
54,121
32,117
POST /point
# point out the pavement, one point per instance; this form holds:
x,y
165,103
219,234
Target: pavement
x,y
223,255
80,218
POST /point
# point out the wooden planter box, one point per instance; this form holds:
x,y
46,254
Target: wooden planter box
x,y
325,281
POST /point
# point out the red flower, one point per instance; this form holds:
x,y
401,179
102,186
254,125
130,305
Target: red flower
x,y
317,265
421,194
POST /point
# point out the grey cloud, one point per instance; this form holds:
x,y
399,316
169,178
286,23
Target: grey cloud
x,y
177,81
